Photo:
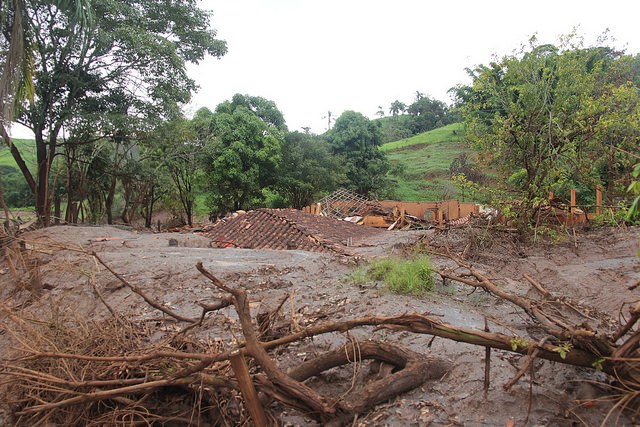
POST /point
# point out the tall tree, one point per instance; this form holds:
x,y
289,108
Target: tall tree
x,y
358,139
178,146
16,81
263,108
240,158
397,107
138,48
427,113
307,169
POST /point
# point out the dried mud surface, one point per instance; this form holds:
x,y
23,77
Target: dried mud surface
x,y
594,270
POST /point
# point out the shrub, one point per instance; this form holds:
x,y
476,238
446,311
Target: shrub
x,y
411,276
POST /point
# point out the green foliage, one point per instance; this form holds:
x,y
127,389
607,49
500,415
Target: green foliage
x,y
240,158
410,276
357,140
17,193
357,277
15,190
553,117
307,169
176,147
427,113
394,128
261,107
597,364
449,133
518,343
563,349
421,164
543,233
424,114
25,146
404,276
397,107
467,187
463,165
122,72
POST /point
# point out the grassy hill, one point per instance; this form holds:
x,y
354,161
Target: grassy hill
x,y
15,189
423,163
27,149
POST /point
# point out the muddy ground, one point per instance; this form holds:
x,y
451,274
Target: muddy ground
x,y
594,269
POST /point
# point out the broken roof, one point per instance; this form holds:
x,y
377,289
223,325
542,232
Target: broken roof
x,y
286,229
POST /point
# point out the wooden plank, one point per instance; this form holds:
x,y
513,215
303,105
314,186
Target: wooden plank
x,y
375,221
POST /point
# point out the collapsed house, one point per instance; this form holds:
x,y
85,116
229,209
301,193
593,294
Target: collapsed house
x,y
392,214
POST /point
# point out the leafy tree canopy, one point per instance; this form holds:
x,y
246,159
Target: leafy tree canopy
x,y
357,138
130,62
550,115
308,168
261,107
241,157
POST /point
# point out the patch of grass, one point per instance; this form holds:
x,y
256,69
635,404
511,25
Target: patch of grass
x,y
403,276
411,276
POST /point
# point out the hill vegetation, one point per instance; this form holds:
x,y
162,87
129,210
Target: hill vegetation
x,y
16,192
421,165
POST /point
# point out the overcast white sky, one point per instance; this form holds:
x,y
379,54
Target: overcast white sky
x,y
314,56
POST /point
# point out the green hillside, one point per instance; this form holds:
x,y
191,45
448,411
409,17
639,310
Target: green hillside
x,y
422,163
450,133
27,149
16,192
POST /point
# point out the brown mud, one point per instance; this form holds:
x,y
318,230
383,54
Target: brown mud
x,y
596,270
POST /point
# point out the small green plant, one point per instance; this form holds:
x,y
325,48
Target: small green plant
x,y
357,277
519,343
380,268
597,364
563,349
614,216
404,276
543,233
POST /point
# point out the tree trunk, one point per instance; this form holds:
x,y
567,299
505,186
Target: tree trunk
x,y
148,206
610,177
42,188
109,200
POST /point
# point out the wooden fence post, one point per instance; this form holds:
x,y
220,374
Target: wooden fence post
x,y
573,206
599,199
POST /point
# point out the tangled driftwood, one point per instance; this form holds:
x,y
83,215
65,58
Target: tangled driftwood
x,y
64,376
62,379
